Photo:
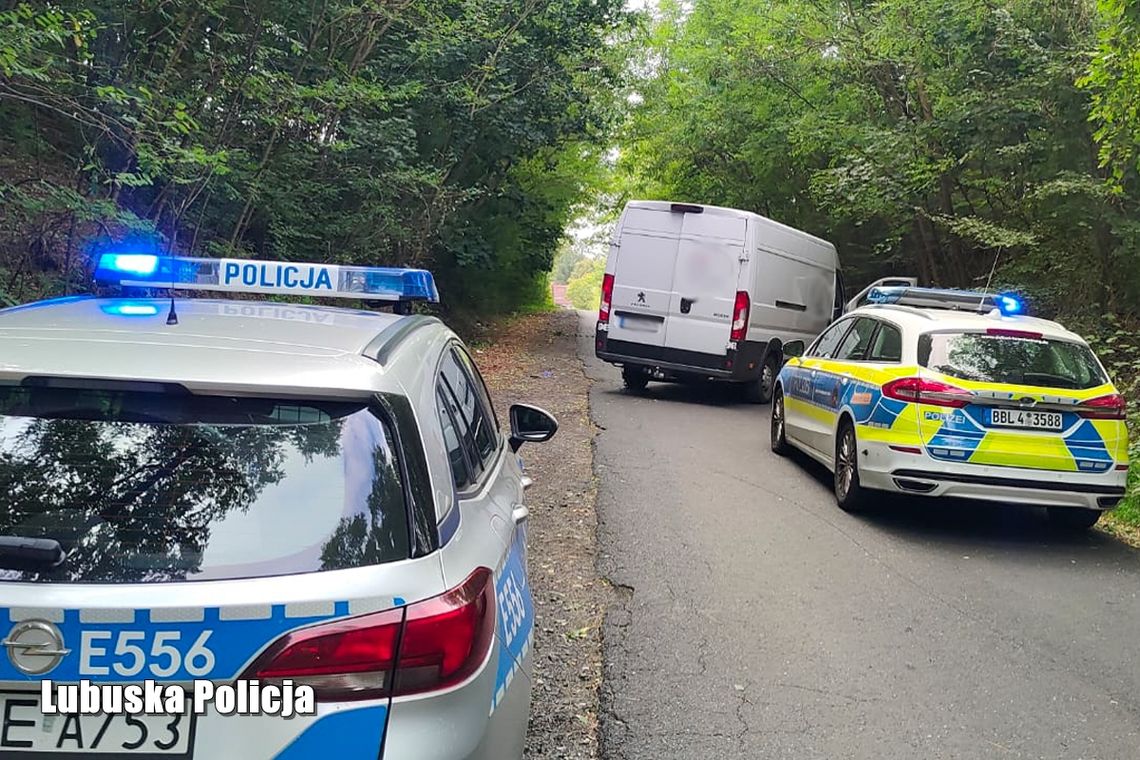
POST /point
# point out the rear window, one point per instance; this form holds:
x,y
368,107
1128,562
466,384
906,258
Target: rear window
x,y
151,487
1015,360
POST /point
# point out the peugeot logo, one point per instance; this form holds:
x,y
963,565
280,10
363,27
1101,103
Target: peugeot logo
x,y
641,297
35,647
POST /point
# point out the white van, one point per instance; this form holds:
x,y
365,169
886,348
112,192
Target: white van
x,y
705,292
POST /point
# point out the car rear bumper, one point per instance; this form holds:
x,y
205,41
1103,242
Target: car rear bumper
x,y
743,365
918,474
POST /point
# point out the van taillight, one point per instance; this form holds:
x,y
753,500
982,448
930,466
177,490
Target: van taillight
x,y
607,298
427,646
1110,407
740,312
923,391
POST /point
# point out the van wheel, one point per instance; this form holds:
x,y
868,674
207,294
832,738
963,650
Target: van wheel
x,y
779,439
635,378
759,391
848,493
1073,518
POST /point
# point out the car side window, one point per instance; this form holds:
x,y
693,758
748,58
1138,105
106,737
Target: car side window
x,y
887,345
472,420
829,339
854,346
460,472
481,388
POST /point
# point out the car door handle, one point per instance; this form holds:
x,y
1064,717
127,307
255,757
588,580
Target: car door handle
x,y
520,514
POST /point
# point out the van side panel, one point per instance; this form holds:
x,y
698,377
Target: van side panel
x,y
642,259
793,284
704,282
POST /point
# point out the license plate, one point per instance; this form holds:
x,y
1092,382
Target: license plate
x,y
1020,418
636,323
26,731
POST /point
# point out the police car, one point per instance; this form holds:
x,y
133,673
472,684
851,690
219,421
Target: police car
x,y
952,393
233,490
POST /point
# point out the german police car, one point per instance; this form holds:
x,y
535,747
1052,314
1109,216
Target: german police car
x,y
244,491
952,393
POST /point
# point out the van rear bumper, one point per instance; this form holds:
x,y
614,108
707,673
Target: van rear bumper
x,y
731,365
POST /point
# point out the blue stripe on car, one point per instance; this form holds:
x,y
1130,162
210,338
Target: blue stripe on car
x,y
515,615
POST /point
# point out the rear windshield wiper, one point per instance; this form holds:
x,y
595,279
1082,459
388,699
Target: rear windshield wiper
x,y
34,554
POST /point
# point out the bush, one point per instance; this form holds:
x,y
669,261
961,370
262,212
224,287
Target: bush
x,y
585,286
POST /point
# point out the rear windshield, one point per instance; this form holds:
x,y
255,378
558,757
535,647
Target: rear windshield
x,y
150,487
1008,359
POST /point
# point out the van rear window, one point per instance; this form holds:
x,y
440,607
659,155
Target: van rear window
x,y
152,487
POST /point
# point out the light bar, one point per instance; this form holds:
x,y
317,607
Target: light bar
x,y
935,298
277,277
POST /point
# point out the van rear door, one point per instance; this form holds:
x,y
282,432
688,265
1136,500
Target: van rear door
x,y
706,269
646,252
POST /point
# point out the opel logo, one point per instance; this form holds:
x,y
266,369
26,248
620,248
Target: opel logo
x,y
35,647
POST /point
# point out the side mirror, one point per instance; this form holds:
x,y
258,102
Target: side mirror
x,y
529,424
793,349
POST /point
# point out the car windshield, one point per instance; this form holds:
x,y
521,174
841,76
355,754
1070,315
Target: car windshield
x,y
149,487
1016,360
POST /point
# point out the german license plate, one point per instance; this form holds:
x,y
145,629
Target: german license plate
x,y
1020,418
27,731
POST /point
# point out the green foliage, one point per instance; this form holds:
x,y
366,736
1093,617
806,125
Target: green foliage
x,y
584,288
1114,80
457,136
930,138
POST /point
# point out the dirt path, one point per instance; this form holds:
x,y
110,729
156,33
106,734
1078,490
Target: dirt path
x,y
533,359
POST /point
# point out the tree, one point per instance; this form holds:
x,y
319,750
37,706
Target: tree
x,y
942,138
584,288
1114,80
420,132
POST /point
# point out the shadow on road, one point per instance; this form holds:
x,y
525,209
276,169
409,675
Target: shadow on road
x,y
959,525
706,393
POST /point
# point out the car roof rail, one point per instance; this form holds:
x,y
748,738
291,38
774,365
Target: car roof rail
x,y
389,339
924,313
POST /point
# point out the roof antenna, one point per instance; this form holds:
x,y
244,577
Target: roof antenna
x,y
986,289
172,317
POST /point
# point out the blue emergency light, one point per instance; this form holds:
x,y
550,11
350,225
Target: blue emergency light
x,y
1009,305
129,309
278,277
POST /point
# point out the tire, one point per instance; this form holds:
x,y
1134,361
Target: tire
x,y
1073,519
634,378
759,391
849,494
779,437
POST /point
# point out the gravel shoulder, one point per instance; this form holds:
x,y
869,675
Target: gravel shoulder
x,y
533,359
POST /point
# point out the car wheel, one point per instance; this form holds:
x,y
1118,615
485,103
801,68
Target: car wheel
x,y
779,441
848,492
635,378
1073,518
759,391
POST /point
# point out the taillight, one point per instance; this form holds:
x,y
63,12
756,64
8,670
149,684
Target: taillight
x,y
428,646
1110,407
740,312
607,298
923,391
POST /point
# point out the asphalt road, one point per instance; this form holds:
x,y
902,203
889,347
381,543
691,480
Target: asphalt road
x,y
757,620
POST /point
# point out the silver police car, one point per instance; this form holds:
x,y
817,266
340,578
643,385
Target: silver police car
x,y
236,490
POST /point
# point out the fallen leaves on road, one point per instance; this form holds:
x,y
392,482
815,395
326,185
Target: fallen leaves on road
x,y
533,359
